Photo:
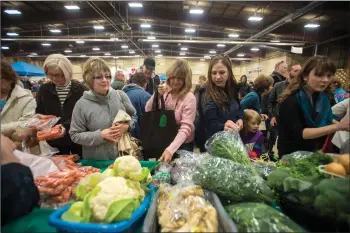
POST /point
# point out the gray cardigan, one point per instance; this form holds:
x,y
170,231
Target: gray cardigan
x,y
275,93
94,113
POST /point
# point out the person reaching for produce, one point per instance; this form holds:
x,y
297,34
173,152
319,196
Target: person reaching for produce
x,y
221,109
305,112
19,194
341,138
92,118
178,97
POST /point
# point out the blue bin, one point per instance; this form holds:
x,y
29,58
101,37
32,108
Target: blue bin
x,y
124,226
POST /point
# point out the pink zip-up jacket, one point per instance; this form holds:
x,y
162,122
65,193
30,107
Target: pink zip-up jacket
x,y
185,113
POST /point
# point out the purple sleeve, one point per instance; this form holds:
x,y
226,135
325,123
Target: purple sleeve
x,y
259,145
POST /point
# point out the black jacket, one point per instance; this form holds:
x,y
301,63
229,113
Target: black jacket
x,y
277,77
48,103
275,93
152,84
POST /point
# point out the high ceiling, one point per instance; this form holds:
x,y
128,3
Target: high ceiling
x,y
169,20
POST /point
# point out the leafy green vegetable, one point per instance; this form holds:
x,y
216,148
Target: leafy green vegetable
x,y
87,184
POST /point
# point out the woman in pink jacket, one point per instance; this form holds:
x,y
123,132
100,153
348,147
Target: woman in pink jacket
x,y
178,97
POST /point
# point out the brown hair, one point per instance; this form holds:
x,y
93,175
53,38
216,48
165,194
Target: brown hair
x,y
322,66
262,83
217,94
337,80
93,65
139,79
203,78
249,115
180,69
8,73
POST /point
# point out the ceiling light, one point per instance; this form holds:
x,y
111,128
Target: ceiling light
x,y
155,46
46,44
67,51
182,54
275,41
13,12
221,45
196,11
5,47
83,55
157,51
107,54
145,26
99,27
135,4
184,49
212,51
96,49
124,46
234,35
115,57
136,55
240,55
114,39
12,34
159,55
132,51
151,38
80,42
55,30
254,49
311,25
207,57
34,54
255,18
190,30
202,59
72,7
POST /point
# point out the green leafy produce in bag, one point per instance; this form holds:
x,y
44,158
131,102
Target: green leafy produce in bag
x,y
258,217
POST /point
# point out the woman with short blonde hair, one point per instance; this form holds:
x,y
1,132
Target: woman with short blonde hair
x,y
178,97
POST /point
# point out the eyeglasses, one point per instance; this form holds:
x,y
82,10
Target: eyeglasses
x,y
54,75
100,78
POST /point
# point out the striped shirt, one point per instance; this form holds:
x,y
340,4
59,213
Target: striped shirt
x,y
62,92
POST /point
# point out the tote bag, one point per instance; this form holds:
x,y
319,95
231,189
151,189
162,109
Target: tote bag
x,y
158,129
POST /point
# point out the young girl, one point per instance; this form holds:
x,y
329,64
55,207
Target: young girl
x,y
252,138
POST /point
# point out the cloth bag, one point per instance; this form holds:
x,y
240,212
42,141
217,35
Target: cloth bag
x,y
158,129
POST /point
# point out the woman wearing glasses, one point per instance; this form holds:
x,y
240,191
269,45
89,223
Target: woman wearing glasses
x,y
59,97
94,113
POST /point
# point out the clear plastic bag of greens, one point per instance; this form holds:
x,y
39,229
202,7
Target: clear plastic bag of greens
x,y
264,169
162,175
232,180
228,145
290,159
258,217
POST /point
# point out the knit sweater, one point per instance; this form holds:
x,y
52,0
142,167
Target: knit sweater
x,y
184,115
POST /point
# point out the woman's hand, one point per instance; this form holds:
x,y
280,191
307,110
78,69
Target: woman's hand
x,y
240,124
166,157
110,135
264,117
161,89
231,126
120,128
7,148
273,121
344,124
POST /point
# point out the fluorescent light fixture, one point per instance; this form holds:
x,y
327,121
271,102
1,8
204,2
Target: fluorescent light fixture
x,y
254,49
80,42
107,54
55,30
233,35
34,54
46,44
221,45
151,38
275,41
155,46
184,49
255,18
136,55
13,12
12,34
311,25
135,4
207,57
159,55
96,49
67,51
132,51
196,11
5,47
124,46
202,59
114,39
115,57
145,26
182,54
190,30
99,27
157,51
83,55
212,51
72,7
240,55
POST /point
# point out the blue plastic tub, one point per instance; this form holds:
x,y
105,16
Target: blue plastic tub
x,y
64,226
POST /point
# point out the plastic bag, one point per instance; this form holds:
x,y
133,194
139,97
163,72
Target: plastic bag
x,y
258,217
161,176
185,166
54,132
46,149
232,180
264,169
42,122
228,145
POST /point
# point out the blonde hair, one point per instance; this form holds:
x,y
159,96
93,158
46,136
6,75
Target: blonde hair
x,y
249,115
92,66
61,62
180,69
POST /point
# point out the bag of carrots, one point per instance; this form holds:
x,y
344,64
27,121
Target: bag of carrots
x,y
42,122
55,132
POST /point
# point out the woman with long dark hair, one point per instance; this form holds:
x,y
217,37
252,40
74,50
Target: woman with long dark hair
x,y
305,113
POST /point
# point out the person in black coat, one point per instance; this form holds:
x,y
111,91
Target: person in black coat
x,y
305,115
244,87
58,98
278,75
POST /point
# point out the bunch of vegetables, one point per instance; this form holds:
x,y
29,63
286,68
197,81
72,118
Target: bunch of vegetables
x,y
111,196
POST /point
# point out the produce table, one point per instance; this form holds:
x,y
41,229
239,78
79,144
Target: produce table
x,y
37,220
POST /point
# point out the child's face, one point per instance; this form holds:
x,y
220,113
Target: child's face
x,y
253,126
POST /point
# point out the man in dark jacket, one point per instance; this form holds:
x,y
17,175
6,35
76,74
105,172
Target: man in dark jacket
x,y
281,68
148,67
119,81
138,97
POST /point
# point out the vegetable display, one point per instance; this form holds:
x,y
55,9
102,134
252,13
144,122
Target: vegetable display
x,y
258,217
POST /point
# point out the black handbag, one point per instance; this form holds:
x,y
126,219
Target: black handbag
x,y
158,129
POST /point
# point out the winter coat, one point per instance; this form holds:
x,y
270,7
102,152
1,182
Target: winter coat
x,y
94,113
117,85
252,101
18,108
277,77
138,97
275,94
